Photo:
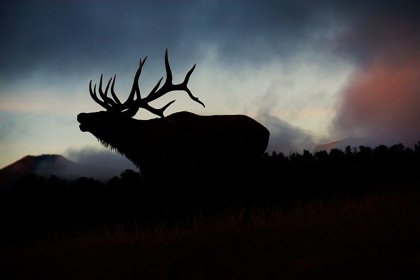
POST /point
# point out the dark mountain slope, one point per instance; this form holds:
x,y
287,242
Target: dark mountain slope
x,y
47,165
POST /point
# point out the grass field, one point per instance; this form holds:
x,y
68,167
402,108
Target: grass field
x,y
374,237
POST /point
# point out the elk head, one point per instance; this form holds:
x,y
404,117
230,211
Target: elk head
x,y
115,124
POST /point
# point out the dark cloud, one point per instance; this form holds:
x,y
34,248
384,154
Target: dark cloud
x,y
376,28
69,37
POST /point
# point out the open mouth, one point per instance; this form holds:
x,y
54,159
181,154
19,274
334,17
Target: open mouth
x,y
79,119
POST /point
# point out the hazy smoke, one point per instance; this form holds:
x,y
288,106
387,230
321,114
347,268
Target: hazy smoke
x,y
382,98
101,158
382,101
284,137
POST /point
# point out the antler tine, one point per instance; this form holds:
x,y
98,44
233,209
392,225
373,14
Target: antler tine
x,y
95,97
104,96
129,103
168,69
136,89
113,92
185,87
129,108
134,101
155,94
169,86
158,112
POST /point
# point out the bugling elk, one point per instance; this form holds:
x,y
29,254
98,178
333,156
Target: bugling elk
x,y
183,156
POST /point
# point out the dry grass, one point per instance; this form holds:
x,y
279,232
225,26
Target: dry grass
x,y
375,237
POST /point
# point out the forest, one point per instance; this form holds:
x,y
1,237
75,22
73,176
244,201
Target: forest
x,y
39,208
325,215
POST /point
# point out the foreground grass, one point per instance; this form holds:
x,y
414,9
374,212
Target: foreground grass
x,y
375,237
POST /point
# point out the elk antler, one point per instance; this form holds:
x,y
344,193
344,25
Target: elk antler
x,y
134,101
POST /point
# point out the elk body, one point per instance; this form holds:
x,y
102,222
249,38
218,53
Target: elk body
x,y
179,140
184,150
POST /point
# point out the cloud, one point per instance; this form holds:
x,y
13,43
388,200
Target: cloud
x,y
67,37
381,99
64,44
8,128
374,29
284,137
22,107
77,37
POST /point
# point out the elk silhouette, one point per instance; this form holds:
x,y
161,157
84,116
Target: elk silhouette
x,y
184,150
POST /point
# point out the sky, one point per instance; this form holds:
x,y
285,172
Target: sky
x,y
311,71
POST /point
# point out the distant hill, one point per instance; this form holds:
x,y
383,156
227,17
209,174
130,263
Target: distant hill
x,y
47,165
342,144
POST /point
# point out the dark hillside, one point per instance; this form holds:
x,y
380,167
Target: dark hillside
x,y
39,206
47,165
326,215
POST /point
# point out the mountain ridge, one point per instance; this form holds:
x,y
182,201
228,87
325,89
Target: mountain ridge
x,y
353,142
46,165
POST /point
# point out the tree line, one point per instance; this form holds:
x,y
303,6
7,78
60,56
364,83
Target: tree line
x,y
341,173
39,205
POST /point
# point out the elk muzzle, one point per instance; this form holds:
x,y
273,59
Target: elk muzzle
x,y
81,118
